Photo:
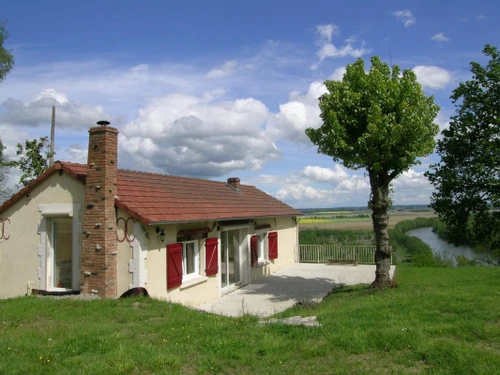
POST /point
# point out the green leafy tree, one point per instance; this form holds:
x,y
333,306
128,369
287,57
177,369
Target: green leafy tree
x,y
5,191
380,121
6,58
34,159
6,64
467,179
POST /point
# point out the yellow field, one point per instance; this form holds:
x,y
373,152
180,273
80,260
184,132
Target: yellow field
x,y
360,223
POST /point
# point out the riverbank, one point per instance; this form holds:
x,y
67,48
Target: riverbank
x,y
407,249
442,249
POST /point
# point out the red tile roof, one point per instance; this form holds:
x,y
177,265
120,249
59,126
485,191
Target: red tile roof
x,y
157,198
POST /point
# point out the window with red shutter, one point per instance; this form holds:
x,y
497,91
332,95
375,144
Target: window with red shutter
x,y
273,245
254,250
174,265
211,256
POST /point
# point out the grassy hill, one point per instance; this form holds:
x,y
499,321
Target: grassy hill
x,y
437,321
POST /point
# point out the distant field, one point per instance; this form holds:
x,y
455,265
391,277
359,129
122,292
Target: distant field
x,y
358,223
310,220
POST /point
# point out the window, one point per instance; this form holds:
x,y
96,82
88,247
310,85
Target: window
x,y
183,263
190,260
262,247
258,249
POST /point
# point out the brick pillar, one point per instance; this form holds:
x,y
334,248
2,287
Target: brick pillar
x,y
99,245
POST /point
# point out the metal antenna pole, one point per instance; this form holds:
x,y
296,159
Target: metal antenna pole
x,y
52,136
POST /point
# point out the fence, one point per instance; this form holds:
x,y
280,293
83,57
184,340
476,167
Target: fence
x,y
324,253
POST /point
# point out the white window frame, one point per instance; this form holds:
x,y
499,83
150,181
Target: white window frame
x,y
196,273
262,256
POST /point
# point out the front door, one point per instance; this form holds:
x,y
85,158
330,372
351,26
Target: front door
x,y
230,258
60,260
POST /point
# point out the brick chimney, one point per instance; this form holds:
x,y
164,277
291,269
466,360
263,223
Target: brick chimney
x,y
234,182
98,262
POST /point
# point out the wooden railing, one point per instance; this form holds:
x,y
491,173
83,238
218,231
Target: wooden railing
x,y
326,253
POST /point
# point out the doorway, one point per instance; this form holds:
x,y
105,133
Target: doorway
x,y
230,258
60,259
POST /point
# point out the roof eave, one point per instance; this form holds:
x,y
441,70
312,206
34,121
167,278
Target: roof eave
x,y
165,222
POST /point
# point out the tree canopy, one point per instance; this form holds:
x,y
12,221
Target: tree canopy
x,y
467,179
34,159
381,121
6,58
5,191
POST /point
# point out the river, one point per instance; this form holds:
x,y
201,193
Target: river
x,y
440,247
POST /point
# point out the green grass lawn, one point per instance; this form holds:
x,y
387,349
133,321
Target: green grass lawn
x,y
437,321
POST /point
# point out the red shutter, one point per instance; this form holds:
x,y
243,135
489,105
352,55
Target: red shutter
x,y
211,256
254,250
273,245
174,265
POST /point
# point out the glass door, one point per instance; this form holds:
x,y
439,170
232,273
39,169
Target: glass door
x,y
61,239
230,257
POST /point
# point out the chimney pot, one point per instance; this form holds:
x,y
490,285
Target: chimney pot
x,y
103,123
234,182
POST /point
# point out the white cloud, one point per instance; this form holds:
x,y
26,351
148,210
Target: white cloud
x,y
412,187
76,154
184,134
432,77
320,174
299,113
411,180
327,31
38,111
355,183
480,17
338,74
305,193
316,186
328,50
440,37
227,69
443,121
405,16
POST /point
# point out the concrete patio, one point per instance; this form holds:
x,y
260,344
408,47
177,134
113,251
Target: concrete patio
x,y
283,289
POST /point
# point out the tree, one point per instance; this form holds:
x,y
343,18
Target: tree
x,y
467,179
381,121
6,58
5,191
34,159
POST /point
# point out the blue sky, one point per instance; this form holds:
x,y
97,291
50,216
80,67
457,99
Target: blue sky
x,y
215,89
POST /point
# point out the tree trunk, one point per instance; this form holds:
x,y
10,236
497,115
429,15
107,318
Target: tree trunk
x,y
379,204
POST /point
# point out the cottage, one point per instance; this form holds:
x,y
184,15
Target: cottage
x,y
96,229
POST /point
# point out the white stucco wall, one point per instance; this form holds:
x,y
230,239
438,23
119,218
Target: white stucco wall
x,y
287,231
156,265
127,240
209,289
19,255
141,261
